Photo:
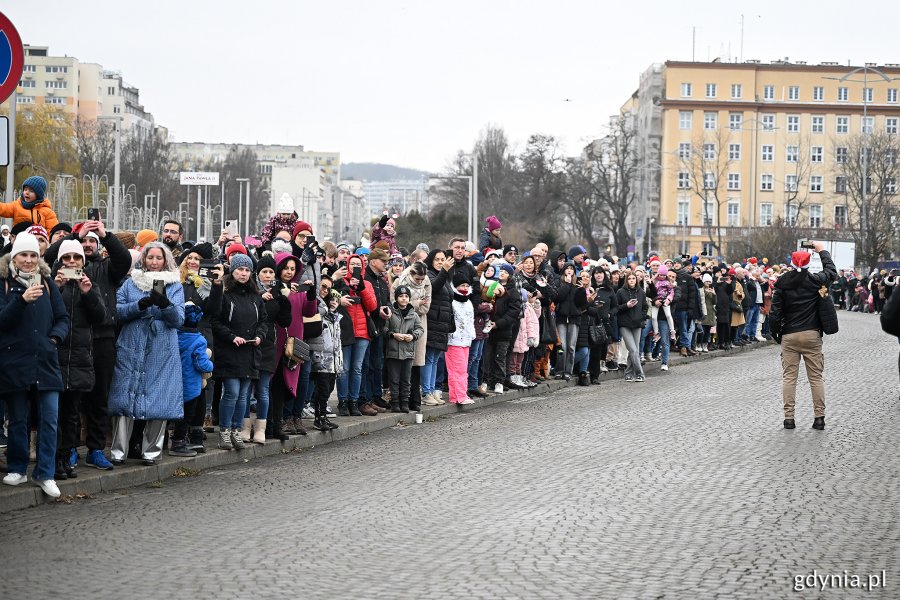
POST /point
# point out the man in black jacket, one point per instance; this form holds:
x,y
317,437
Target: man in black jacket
x,y
890,315
795,324
373,363
686,307
106,274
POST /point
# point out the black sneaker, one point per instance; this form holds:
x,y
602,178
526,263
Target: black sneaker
x,y
819,423
789,424
180,448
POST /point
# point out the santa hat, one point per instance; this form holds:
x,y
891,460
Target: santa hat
x,y
800,259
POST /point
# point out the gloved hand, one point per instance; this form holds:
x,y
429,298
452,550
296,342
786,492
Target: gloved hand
x,y
145,303
532,342
382,221
160,300
308,257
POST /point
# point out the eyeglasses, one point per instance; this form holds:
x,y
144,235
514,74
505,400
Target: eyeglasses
x,y
175,231
70,257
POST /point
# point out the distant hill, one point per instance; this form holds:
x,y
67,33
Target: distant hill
x,y
379,172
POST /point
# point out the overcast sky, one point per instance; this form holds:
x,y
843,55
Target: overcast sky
x,y
409,83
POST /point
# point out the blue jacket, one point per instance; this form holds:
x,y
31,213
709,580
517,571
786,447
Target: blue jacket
x,y
147,382
27,355
194,362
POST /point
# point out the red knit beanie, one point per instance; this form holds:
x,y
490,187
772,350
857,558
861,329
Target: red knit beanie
x,y
302,226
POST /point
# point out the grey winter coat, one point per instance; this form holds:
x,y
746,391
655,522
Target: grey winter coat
x,y
399,324
326,350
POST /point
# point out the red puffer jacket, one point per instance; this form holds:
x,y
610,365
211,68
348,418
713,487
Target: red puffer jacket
x,y
368,303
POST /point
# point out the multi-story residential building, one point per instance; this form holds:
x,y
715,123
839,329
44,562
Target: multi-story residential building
x,y
123,99
397,196
746,145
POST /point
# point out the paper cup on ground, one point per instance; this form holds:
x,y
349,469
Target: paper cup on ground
x,y
419,418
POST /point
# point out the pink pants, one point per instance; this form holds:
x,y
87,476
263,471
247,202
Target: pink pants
x,y
457,359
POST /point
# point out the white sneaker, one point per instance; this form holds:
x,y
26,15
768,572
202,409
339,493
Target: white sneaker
x,y
437,397
760,338
466,401
664,367
428,400
604,368
330,413
483,388
15,479
49,487
498,389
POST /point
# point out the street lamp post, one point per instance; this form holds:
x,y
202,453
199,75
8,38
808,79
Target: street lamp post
x,y
116,209
241,181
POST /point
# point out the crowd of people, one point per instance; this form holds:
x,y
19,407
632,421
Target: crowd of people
x,y
136,337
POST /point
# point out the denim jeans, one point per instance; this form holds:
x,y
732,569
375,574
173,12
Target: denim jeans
x,y
752,321
349,383
440,371
568,337
17,404
646,338
261,393
373,365
475,351
234,401
429,371
664,342
582,358
683,323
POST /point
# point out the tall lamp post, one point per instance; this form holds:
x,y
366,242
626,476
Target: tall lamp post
x,y
116,209
241,181
879,77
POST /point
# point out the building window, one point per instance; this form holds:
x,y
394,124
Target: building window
x,y
868,124
841,154
24,100
818,93
686,90
684,180
840,216
28,83
54,100
890,156
707,249
842,94
710,120
709,212
816,154
792,154
56,85
768,122
843,125
734,181
56,69
735,121
769,92
765,214
685,119
815,183
734,213
734,152
709,152
815,215
818,124
736,91
111,91
117,110
790,183
794,92
790,212
890,125
892,95
793,123
684,212
766,182
840,184
684,150
33,69
711,90
867,95
768,153
890,185
709,181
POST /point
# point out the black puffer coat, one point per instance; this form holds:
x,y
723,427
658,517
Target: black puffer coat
x,y
724,290
571,300
76,352
507,311
795,302
243,315
631,318
440,315
278,312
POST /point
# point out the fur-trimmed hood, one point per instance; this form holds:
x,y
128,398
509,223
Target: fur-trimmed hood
x,y
143,280
43,267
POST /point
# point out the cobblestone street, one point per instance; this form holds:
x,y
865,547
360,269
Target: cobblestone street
x,y
685,486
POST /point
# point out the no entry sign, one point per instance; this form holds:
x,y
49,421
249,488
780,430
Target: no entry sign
x,y
12,58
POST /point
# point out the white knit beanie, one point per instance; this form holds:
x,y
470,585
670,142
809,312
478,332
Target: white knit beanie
x,y
25,242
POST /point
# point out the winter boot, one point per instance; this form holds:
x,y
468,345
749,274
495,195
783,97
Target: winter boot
x,y
395,406
259,432
343,411
245,430
225,439
404,407
195,440
180,448
353,409
277,431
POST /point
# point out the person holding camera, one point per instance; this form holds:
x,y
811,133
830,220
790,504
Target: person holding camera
x,y
795,323
358,301
631,299
33,322
150,307
86,310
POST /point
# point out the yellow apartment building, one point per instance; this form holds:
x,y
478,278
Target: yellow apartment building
x,y
745,145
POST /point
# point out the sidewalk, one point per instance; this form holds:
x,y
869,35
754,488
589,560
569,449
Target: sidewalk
x,y
91,481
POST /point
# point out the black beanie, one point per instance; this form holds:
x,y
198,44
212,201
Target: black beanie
x,y
20,227
204,251
266,262
459,278
61,227
402,290
509,247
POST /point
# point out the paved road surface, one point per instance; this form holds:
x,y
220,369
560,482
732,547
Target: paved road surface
x,y
685,486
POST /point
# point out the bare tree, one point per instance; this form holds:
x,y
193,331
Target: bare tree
x,y
707,165
869,168
96,145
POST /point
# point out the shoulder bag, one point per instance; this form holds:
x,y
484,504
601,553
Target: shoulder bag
x,y
296,352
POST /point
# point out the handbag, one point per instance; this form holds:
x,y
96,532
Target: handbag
x,y
296,352
736,307
312,327
827,313
548,327
597,335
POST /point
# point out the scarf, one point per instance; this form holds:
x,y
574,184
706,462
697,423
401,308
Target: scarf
x,y
29,205
143,280
17,275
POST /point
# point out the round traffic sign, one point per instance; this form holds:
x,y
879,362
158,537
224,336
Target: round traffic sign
x,y
12,58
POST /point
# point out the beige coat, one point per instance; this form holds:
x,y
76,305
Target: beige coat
x,y
417,292
737,296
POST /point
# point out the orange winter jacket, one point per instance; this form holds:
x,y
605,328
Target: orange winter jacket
x,y
42,214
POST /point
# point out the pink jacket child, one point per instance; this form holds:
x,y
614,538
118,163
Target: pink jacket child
x,y
664,291
529,329
385,230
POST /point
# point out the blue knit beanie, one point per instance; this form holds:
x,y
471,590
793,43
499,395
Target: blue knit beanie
x,y
38,184
240,260
508,268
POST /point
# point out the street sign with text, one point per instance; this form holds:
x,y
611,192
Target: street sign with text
x,y
12,58
199,178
